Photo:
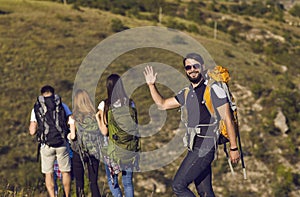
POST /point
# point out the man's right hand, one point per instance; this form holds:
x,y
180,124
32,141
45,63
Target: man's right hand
x,y
150,76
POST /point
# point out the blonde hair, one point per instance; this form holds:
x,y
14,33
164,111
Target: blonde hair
x,y
83,106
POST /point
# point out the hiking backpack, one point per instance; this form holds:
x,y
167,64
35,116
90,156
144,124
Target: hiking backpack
x,y
52,121
220,75
89,139
124,138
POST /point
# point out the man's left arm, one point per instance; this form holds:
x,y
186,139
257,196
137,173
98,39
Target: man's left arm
x,y
225,113
222,104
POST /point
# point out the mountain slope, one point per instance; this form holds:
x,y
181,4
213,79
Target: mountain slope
x,y
45,43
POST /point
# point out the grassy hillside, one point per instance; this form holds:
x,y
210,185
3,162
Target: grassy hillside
x,y
44,42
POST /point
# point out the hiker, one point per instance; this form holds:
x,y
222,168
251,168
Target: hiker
x,y
117,99
86,142
196,166
49,122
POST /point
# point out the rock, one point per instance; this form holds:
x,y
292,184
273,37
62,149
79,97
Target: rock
x,y
284,68
280,122
257,106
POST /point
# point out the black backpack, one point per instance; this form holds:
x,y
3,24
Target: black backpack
x,y
52,121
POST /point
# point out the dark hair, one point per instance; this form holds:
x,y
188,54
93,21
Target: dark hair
x,y
194,56
47,88
115,92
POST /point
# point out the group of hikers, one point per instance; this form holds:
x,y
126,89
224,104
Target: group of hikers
x,y
107,135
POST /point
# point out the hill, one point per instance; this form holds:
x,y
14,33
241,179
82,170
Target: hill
x,y
46,42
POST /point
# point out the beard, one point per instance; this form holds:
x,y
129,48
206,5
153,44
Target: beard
x,y
194,80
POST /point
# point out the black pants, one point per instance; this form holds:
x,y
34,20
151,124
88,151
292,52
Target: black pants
x,y
196,167
78,171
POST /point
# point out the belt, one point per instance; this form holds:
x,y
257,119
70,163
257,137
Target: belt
x,y
192,132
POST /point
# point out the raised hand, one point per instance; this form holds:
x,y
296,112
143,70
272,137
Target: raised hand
x,y
150,76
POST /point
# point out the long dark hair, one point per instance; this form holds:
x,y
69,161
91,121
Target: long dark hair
x,y
115,92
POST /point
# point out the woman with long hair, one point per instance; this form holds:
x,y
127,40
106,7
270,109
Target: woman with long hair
x,y
86,142
116,98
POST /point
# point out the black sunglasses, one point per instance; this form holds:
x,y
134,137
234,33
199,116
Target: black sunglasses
x,y
189,67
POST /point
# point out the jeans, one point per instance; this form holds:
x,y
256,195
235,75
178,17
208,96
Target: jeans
x,y
79,175
126,180
196,167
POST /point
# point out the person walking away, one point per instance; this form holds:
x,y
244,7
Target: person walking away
x,y
86,142
116,100
49,123
196,166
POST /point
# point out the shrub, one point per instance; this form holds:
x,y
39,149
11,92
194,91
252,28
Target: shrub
x,y
257,90
194,13
120,11
284,183
212,7
117,25
176,25
257,46
295,10
228,53
223,8
170,9
273,47
193,28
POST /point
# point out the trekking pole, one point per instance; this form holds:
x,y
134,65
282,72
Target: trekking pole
x,y
242,156
230,165
228,159
241,150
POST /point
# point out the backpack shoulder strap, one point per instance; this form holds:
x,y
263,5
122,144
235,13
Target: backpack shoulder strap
x,y
184,113
57,100
229,96
207,97
186,92
59,113
133,110
42,108
110,121
109,114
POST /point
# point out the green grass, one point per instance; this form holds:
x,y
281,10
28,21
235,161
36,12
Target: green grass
x,y
44,42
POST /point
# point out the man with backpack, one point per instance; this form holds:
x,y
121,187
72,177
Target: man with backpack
x,y
49,123
200,138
